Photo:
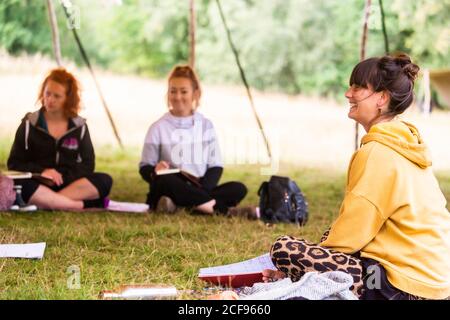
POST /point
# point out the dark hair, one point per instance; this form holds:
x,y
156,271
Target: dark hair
x,y
395,74
68,80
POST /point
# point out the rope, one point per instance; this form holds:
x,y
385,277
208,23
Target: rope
x,y
244,79
88,64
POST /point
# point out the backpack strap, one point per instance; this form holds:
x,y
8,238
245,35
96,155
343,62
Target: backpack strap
x,y
263,188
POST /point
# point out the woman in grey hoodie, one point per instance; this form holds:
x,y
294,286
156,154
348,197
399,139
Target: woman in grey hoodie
x,y
184,139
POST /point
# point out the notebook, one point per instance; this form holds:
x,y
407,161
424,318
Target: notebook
x,y
183,173
235,275
29,175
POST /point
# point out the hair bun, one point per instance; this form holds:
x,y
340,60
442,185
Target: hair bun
x,y
410,69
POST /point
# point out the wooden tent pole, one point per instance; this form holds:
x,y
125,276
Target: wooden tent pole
x,y
192,33
55,32
426,107
365,29
363,55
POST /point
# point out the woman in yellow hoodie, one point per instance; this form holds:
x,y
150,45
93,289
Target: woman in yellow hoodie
x,y
392,233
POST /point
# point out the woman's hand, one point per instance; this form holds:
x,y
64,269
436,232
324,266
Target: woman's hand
x,y
162,165
54,175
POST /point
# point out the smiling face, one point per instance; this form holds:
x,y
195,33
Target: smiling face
x,y
366,105
181,96
54,97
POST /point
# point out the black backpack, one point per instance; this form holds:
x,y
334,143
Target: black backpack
x,y
280,200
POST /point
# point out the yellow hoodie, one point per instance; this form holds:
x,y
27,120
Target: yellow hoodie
x,y
394,211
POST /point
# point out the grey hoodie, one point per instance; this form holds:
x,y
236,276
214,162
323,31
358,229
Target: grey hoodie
x,y
188,143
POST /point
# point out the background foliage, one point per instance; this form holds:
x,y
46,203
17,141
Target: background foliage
x,y
295,46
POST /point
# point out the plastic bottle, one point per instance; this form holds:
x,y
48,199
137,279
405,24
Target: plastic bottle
x,y
141,292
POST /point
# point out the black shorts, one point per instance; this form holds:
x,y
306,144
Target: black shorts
x,y
385,291
101,181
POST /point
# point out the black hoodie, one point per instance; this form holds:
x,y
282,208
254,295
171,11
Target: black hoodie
x,y
35,150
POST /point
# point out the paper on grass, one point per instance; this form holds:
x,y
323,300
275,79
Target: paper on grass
x,y
127,206
254,265
27,251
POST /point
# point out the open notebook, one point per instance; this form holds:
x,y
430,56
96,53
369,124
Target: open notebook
x,y
29,175
235,275
183,173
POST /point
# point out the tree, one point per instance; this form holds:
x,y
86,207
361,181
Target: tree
x,y
296,46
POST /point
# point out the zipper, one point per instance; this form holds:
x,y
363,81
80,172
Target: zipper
x,y
57,157
57,140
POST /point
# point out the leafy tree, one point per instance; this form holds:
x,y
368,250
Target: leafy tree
x,y
426,30
296,46
21,26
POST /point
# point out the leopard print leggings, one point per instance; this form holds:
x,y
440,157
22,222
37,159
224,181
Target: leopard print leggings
x,y
295,257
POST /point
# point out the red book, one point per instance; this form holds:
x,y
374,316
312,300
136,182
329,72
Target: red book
x,y
234,280
235,275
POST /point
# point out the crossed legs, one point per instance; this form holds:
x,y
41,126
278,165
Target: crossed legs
x,y
294,257
71,197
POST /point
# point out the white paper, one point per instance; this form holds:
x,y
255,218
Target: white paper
x,y
26,251
127,206
254,265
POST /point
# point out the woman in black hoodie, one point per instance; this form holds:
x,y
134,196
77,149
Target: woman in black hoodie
x,y
54,141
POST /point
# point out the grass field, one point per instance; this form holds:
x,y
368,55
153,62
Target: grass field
x,y
112,249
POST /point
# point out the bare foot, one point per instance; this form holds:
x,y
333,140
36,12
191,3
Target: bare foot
x,y
273,275
207,207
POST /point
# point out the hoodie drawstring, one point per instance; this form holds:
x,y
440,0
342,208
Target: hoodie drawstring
x,y
83,131
27,133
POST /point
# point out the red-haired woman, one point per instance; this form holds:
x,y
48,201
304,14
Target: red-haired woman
x,y
55,142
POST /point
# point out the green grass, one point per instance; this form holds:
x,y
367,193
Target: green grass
x,y
112,249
